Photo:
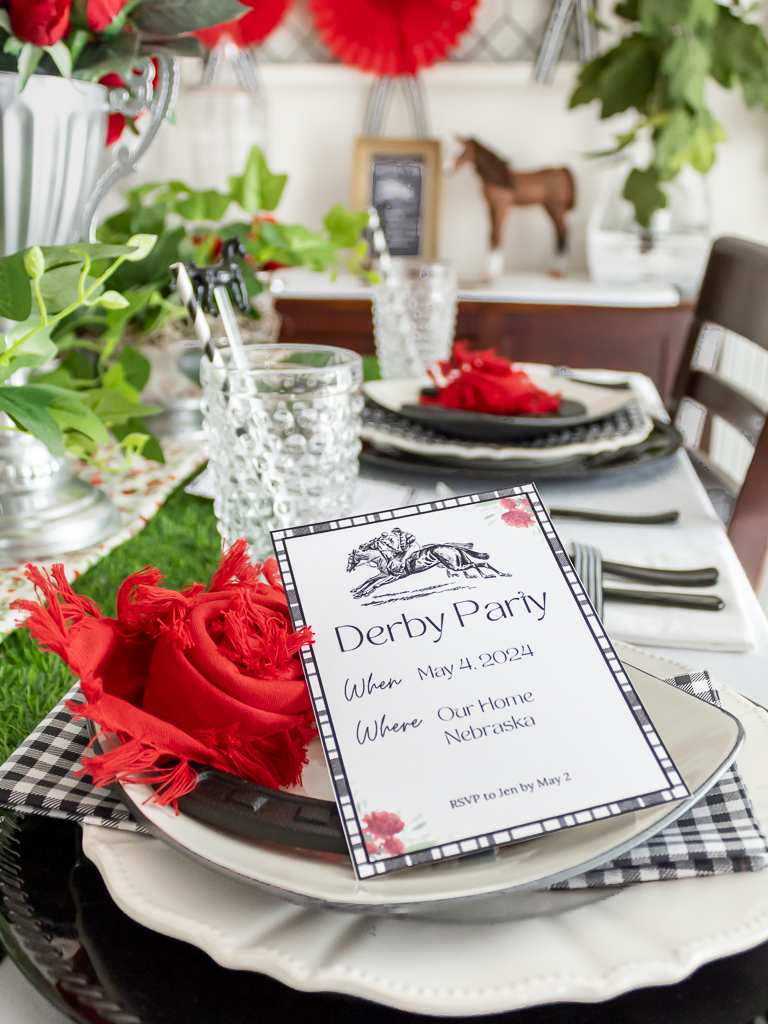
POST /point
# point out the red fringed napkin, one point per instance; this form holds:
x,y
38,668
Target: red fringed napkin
x,y
486,382
198,675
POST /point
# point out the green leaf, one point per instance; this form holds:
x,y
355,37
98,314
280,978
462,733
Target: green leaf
x,y
136,427
115,378
344,226
642,190
113,300
257,188
34,262
61,255
622,78
69,411
15,289
671,138
143,244
27,406
660,16
136,368
61,57
29,58
178,46
686,64
36,350
112,407
208,205
174,17
79,366
700,152
60,286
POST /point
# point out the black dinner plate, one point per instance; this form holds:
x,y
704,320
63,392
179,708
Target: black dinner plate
x,y
663,441
492,429
98,966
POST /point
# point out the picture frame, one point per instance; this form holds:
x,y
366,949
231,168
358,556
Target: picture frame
x,y
401,178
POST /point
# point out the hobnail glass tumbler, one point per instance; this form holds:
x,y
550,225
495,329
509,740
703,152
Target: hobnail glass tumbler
x,y
283,438
414,316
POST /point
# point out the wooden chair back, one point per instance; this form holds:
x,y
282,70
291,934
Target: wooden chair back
x,y
734,295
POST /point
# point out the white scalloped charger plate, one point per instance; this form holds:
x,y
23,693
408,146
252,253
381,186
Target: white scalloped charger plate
x,y
700,738
649,934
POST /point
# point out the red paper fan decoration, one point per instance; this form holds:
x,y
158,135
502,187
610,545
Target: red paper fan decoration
x,y
391,37
251,28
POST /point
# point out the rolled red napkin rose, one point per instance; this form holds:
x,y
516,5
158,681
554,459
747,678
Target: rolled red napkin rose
x,y
42,22
182,676
484,381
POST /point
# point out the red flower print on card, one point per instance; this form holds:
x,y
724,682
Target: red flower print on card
x,y
379,834
518,512
383,824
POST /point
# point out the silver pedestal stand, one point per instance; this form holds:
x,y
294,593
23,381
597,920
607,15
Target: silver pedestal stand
x,y
44,510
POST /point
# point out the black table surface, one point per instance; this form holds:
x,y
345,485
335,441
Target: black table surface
x,y
96,965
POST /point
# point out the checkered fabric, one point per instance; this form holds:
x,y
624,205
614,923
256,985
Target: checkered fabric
x,y
720,835
39,778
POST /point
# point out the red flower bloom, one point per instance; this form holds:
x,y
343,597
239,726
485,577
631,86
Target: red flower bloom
x,y
102,12
394,846
371,847
42,22
519,512
487,382
115,122
391,37
382,824
251,28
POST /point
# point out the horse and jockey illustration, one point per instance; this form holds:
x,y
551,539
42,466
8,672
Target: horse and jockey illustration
x,y
397,555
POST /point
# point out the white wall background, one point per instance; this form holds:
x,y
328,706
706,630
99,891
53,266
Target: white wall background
x,y
314,112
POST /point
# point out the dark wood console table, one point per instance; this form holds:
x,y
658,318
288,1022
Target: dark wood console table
x,y
648,339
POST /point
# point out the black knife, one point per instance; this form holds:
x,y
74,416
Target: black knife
x,y
670,577
695,602
587,515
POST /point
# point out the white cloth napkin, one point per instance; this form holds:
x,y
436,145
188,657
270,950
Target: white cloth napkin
x,y
652,626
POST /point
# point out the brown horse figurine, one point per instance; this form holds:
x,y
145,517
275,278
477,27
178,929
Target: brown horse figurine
x,y
552,187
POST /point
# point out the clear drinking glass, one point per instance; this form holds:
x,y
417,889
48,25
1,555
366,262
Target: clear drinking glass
x,y
414,316
283,438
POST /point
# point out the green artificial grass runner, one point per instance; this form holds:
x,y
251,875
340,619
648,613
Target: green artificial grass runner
x,y
181,540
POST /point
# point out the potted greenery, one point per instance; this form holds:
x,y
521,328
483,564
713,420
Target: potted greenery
x,y
193,225
659,69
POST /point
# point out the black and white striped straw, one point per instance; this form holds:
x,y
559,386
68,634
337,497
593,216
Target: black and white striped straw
x,y
195,313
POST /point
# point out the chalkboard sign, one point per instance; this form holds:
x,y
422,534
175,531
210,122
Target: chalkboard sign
x,y
400,178
397,192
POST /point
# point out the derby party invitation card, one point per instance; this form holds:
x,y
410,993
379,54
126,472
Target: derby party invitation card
x,y
465,691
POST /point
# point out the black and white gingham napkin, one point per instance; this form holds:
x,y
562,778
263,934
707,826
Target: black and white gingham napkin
x,y
720,835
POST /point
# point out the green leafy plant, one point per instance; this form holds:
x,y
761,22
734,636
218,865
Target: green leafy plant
x,y
187,223
74,405
659,70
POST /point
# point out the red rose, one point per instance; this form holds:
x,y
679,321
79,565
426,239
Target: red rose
x,y
102,12
394,846
115,122
42,22
371,847
382,824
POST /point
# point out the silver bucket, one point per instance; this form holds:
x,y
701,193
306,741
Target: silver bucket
x,y
51,144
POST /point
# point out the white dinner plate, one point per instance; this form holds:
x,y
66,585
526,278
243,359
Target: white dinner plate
x,y
653,933
702,740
